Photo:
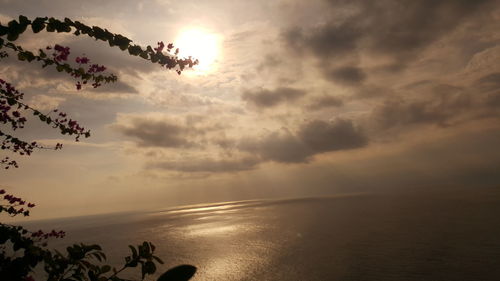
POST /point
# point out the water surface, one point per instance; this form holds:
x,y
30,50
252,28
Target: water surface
x,y
450,234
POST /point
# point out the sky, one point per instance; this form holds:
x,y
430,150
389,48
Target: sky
x,y
291,99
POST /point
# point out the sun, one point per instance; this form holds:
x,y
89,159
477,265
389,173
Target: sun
x,y
199,44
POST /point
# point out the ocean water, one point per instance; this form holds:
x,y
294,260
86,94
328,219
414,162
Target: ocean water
x,y
449,234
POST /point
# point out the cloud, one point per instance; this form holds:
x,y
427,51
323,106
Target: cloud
x,y
44,102
324,102
269,98
269,61
206,165
370,91
155,133
325,41
311,138
117,87
281,147
195,140
439,104
489,82
163,131
188,131
322,136
391,33
348,75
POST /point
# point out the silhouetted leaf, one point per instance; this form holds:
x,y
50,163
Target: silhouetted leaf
x,y
178,273
134,251
105,268
38,24
3,30
149,267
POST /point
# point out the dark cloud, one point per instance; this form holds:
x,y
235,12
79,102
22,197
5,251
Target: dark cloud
x,y
279,147
270,98
428,102
348,75
323,136
489,82
326,41
395,30
269,61
417,84
402,113
311,138
187,132
372,91
489,88
155,133
206,165
324,102
165,132
401,29
438,104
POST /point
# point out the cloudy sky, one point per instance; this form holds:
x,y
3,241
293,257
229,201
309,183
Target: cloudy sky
x,y
292,98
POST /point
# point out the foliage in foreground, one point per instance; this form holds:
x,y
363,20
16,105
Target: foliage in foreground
x,y
23,251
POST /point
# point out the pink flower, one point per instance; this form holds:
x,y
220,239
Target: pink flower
x,y
82,60
160,47
61,53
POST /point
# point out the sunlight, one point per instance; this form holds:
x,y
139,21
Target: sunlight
x,y
201,45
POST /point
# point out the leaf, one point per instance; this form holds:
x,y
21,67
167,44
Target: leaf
x,y
21,56
38,24
23,20
99,33
122,42
134,50
3,30
12,36
149,267
68,21
134,251
97,256
134,263
179,273
42,53
11,101
105,268
144,55
15,27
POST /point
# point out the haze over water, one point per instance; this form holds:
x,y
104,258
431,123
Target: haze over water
x,y
446,234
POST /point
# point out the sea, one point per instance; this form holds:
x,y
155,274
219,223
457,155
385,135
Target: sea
x,y
430,234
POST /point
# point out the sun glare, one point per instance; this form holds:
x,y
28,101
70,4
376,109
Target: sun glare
x,y
201,45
